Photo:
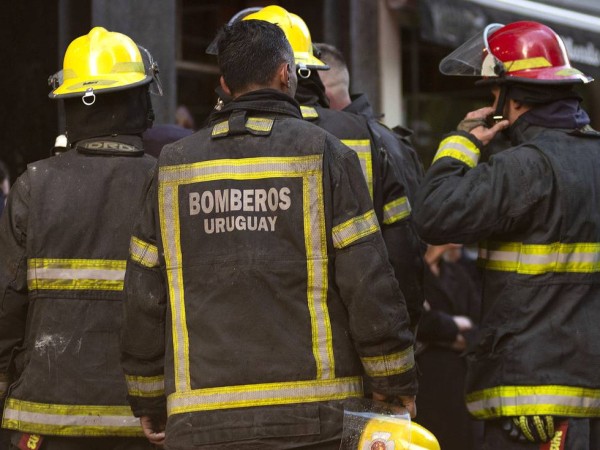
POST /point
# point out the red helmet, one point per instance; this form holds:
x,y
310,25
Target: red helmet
x,y
527,52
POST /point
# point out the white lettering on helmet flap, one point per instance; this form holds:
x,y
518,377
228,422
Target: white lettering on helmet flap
x,y
216,202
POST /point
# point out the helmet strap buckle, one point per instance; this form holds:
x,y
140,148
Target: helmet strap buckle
x,y
89,98
304,72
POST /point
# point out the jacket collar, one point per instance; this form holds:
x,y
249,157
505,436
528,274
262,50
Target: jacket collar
x,y
260,101
360,105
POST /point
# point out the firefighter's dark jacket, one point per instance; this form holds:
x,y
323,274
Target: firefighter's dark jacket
x,y
64,240
534,210
388,186
396,144
259,258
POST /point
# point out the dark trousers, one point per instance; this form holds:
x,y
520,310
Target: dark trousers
x,y
580,434
84,443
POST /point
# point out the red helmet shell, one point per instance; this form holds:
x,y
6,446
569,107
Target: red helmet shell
x,y
531,51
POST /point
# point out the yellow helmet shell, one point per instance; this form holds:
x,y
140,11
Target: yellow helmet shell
x,y
296,32
381,434
103,61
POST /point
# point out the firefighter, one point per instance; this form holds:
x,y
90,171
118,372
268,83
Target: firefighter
x,y
336,81
533,374
64,240
257,288
387,186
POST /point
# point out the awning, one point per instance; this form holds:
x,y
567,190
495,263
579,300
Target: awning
x,y
452,22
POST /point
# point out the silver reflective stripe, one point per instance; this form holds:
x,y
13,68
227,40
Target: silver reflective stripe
x,y
73,274
143,252
354,229
458,147
396,210
388,365
362,148
76,274
532,400
145,386
534,259
263,395
80,420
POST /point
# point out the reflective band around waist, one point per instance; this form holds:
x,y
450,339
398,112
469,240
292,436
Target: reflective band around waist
x,y
145,386
354,229
70,274
387,365
536,259
264,395
396,210
143,252
553,400
70,420
458,147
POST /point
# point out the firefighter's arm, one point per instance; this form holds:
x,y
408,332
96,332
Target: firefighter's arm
x,y
13,276
144,312
461,201
404,246
378,320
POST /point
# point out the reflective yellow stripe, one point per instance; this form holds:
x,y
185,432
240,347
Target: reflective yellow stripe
x,y
75,274
396,210
308,112
362,147
354,229
388,365
139,386
309,168
220,129
536,259
527,63
259,124
553,400
143,252
458,147
264,395
70,420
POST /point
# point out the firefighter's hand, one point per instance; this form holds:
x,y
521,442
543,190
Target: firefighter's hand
x,y
409,402
154,430
529,428
475,123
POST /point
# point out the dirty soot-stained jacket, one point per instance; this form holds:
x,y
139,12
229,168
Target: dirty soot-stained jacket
x,y
64,240
390,181
259,257
534,210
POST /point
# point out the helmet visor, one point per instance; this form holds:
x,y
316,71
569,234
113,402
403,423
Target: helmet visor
x,y
474,58
151,68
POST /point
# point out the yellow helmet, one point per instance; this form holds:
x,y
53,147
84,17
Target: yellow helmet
x,y
297,34
385,434
102,61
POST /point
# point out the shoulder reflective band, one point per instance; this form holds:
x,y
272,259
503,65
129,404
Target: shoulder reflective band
x,y
220,129
264,395
458,147
143,252
309,169
75,274
354,229
139,386
308,112
260,124
70,420
502,401
388,365
396,210
362,147
536,259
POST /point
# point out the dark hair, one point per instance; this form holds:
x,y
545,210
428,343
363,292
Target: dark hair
x,y
250,52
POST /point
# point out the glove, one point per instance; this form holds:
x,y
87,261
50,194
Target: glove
x,y
530,428
468,124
